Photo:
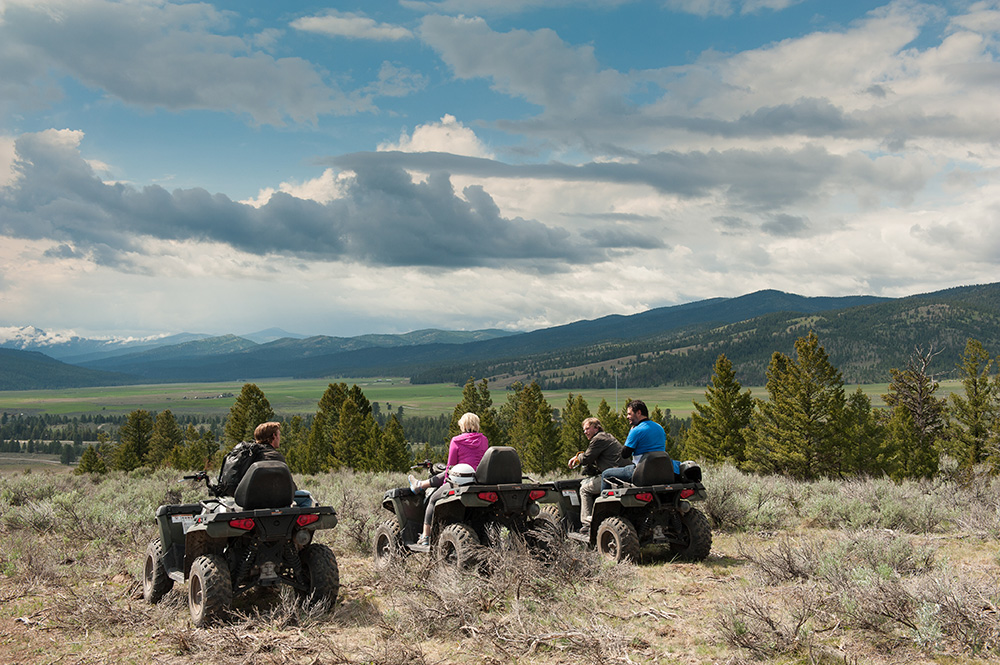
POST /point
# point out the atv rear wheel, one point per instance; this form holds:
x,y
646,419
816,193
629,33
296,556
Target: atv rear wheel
x,y
323,573
210,590
617,538
545,534
697,536
155,581
458,545
387,544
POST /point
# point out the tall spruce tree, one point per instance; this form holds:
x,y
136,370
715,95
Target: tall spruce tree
x,y
528,421
392,454
719,427
166,436
134,437
250,409
614,423
571,437
477,400
972,432
801,429
865,453
912,438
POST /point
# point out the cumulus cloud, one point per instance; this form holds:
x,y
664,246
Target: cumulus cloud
x,y
382,217
351,25
728,7
447,136
156,55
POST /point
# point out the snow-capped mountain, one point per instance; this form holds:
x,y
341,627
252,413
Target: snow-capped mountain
x,y
67,346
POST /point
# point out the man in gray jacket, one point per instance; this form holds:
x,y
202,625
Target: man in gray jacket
x,y
603,452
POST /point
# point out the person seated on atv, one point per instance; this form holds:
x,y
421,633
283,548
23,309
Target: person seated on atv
x,y
603,452
645,436
466,448
267,438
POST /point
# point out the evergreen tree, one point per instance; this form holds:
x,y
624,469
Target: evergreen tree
x,y
912,438
719,427
250,409
293,440
166,436
318,455
477,400
134,439
350,441
392,455
615,424
801,430
528,421
90,462
866,453
68,454
571,437
972,433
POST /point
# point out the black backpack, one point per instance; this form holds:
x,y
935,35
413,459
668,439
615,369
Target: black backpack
x,y
235,466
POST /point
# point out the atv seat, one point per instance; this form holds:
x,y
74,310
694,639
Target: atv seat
x,y
266,484
499,466
655,468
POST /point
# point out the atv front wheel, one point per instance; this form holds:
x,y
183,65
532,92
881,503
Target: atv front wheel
x,y
387,544
324,575
617,538
458,545
696,534
155,581
210,590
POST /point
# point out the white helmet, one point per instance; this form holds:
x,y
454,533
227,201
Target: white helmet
x,y
462,474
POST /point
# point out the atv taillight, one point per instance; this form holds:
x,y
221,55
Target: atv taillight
x,y
246,524
644,496
535,495
686,493
488,496
305,520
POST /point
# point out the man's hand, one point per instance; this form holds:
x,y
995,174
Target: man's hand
x,y
574,461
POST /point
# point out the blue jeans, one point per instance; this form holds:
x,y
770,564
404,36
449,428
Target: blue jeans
x,y
619,472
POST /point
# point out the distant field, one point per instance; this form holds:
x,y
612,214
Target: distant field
x,y
290,397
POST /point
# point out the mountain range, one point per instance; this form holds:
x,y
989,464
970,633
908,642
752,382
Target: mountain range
x,y
865,336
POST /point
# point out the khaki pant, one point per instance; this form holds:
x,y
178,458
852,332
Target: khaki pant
x,y
590,489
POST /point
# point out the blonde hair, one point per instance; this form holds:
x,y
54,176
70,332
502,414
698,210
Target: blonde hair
x,y
469,422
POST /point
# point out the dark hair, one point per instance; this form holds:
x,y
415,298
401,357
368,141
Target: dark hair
x,y
638,406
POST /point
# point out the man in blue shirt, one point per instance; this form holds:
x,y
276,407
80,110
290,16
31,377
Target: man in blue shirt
x,y
644,437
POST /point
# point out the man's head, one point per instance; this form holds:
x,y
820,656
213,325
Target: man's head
x,y
269,433
591,426
636,411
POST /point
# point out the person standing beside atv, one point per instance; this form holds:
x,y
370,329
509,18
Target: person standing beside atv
x,y
645,436
603,452
466,448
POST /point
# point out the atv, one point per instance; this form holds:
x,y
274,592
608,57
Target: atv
x,y
653,509
225,546
498,507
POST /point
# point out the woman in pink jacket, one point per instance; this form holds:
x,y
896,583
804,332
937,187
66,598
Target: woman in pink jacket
x,y
466,448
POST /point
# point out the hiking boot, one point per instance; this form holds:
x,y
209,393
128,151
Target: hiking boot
x,y
415,485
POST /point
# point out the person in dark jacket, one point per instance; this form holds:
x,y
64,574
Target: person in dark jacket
x,y
603,452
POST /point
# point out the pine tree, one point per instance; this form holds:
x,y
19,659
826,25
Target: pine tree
x,y
528,421
571,437
393,454
134,438
317,454
912,438
972,432
801,430
719,427
90,462
477,400
615,424
166,436
866,453
250,409
351,438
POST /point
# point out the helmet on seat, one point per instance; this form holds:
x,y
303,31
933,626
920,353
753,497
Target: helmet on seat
x,y
462,474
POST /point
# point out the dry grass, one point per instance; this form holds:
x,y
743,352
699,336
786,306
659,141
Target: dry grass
x,y
786,583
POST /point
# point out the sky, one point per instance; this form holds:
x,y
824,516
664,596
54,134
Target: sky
x,y
357,167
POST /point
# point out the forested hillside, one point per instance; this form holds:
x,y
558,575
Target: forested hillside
x,y
30,370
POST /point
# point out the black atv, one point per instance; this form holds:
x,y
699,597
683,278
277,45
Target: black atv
x,y
223,547
653,509
497,508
